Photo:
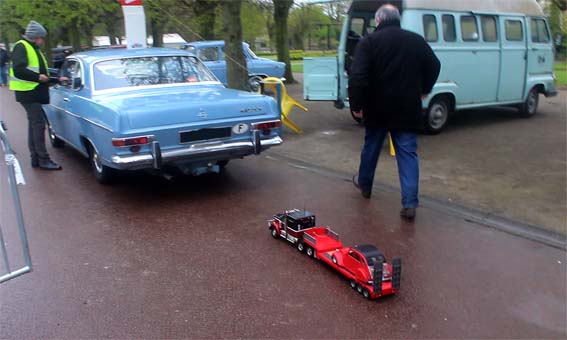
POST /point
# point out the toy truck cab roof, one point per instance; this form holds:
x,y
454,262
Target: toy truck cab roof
x,y
297,219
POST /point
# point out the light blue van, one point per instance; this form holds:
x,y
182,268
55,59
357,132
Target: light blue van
x,y
492,52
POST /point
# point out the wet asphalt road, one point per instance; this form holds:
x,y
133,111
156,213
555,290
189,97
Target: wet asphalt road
x,y
193,258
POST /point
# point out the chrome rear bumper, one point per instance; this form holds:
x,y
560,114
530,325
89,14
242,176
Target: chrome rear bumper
x,y
198,151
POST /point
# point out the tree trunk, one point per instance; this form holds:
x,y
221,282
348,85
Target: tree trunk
x,y
281,12
236,69
75,37
157,33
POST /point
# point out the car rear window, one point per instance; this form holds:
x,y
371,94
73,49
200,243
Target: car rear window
x,y
154,70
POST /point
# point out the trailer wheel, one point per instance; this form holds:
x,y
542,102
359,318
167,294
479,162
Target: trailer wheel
x,y
300,246
273,232
310,251
359,288
352,284
366,293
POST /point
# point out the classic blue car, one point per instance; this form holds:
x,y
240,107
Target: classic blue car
x,y
159,109
212,55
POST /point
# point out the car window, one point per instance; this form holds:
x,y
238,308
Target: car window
x,y
357,26
430,27
137,71
469,28
488,24
540,34
68,70
190,48
354,255
449,33
514,30
208,54
250,52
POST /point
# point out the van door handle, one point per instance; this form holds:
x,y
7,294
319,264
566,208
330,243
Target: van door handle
x,y
66,99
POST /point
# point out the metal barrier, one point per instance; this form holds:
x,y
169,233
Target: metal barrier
x,y
15,177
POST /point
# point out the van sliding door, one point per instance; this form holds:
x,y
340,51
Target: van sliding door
x,y
514,54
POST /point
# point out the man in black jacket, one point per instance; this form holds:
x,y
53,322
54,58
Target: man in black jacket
x,y
29,80
393,70
4,59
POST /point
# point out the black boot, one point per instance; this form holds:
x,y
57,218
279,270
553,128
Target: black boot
x,y
35,163
48,164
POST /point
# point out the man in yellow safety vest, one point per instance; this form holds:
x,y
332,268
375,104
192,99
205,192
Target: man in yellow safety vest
x,y
29,80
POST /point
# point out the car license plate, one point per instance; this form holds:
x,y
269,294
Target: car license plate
x,y
204,134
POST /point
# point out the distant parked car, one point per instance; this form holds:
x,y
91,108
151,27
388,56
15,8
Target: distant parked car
x,y
156,109
212,55
58,55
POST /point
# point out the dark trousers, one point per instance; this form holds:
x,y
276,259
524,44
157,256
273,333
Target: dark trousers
x,y
36,131
405,145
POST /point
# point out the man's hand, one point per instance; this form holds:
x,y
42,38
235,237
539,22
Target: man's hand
x,y
43,78
357,114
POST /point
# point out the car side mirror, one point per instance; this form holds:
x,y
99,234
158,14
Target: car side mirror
x,y
77,82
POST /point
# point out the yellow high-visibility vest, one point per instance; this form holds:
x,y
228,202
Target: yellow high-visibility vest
x,y
18,84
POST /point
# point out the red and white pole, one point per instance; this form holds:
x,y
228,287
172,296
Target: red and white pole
x,y
135,23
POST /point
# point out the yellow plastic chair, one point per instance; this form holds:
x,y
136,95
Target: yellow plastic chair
x,y
287,103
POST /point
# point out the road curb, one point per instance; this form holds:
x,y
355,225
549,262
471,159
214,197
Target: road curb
x,y
517,228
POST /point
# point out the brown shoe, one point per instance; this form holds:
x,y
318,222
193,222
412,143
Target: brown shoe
x,y
365,194
408,213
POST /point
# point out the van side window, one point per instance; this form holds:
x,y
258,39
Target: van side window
x,y
449,33
540,34
469,28
514,30
488,24
430,27
357,26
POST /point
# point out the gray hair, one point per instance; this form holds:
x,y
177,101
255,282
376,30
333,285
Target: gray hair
x,y
388,13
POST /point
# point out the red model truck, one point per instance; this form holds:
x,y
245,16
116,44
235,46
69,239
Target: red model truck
x,y
364,266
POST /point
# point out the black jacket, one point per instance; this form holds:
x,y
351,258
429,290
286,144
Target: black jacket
x,y
392,69
20,63
4,58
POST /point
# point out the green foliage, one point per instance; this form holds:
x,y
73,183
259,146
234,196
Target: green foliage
x,y
561,73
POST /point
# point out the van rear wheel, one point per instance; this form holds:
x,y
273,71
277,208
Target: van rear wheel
x,y
529,107
437,115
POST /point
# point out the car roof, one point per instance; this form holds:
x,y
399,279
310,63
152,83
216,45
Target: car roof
x,y
207,43
102,54
369,250
299,214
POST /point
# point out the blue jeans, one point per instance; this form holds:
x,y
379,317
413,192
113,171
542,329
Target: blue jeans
x,y
405,144
3,75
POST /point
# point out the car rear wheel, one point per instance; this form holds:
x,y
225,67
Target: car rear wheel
x,y
529,107
102,173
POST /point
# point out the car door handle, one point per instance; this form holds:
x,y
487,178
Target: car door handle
x,y
66,99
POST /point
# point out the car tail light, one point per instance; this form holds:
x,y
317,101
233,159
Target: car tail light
x,y
266,127
131,141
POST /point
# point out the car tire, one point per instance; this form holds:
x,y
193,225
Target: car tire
x,y
352,284
366,293
334,259
274,232
56,142
300,246
437,115
359,288
254,83
102,173
529,107
356,119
